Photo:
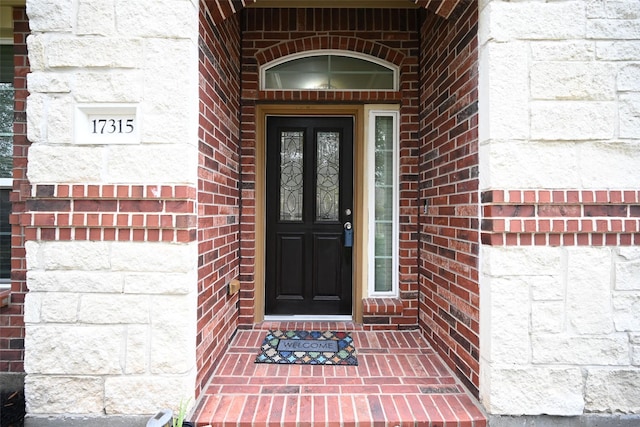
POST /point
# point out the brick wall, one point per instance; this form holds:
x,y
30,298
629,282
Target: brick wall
x,y
218,188
11,317
390,35
449,229
561,217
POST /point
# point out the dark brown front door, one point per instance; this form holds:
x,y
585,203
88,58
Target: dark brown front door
x,y
309,201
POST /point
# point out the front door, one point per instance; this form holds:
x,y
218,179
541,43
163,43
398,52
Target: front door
x,y
309,202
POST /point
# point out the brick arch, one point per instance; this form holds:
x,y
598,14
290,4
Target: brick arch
x,y
351,44
222,9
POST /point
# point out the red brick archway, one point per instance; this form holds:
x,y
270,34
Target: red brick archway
x,y
322,42
222,9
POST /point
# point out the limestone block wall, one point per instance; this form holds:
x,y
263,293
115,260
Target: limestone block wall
x,y
560,194
111,218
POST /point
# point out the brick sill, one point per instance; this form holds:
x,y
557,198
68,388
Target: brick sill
x,y
382,306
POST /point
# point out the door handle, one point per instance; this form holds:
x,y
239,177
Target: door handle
x,y
348,235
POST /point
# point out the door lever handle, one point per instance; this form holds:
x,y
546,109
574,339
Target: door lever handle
x,y
348,235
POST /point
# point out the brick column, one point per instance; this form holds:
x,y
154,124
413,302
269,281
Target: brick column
x,y
12,331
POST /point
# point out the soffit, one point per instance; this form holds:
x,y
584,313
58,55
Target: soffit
x,y
12,2
226,8
351,4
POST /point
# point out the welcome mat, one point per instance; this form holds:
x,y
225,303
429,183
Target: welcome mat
x,y
308,348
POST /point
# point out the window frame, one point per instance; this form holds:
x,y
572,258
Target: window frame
x,y
330,52
391,111
7,183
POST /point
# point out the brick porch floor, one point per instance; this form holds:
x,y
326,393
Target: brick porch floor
x,y
399,381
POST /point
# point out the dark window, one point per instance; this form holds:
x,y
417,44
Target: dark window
x,y
5,234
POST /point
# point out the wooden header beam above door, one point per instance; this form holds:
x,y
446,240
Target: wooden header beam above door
x,y
222,9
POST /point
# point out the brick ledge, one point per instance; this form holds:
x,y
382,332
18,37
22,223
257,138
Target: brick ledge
x,y
380,306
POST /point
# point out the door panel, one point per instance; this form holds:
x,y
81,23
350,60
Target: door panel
x,y
327,266
290,275
309,198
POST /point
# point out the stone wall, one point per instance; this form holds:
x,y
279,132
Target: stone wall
x,y
111,222
560,151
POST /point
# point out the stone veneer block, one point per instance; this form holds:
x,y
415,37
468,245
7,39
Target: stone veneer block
x,y
82,256
152,257
146,394
554,349
535,390
93,51
64,394
138,19
589,290
563,50
522,261
151,163
618,50
506,92
626,307
573,81
629,78
547,316
627,267
572,120
612,390
136,359
51,163
113,309
615,162
119,86
76,281
535,20
59,308
36,126
50,16
49,82
509,310
159,283
630,116
73,349
634,340
520,164
96,17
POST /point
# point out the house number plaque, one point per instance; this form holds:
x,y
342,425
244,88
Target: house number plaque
x,y
111,126
106,124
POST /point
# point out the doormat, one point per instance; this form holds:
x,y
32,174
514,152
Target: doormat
x,y
308,348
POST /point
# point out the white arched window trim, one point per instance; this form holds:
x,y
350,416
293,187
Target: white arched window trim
x,y
331,52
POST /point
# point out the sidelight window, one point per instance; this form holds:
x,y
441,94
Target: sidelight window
x,y
383,202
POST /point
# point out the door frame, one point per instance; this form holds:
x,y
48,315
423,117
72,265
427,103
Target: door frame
x,y
359,217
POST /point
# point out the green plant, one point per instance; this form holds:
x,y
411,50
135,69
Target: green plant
x,y
182,412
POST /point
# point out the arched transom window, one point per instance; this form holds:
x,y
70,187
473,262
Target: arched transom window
x,y
329,70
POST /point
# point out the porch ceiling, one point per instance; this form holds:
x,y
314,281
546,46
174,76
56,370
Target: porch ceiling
x,y
222,9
